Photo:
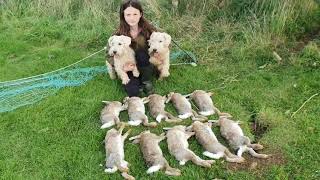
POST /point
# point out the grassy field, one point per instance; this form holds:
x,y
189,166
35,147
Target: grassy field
x,y
236,43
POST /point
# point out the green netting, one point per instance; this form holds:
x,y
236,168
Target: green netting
x,y
21,92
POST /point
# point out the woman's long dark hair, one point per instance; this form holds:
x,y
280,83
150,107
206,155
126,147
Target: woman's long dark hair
x,y
124,28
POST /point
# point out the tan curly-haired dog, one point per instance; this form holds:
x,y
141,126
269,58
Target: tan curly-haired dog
x,y
159,52
123,56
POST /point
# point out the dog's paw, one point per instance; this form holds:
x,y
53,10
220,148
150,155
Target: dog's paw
x,y
125,81
112,75
136,73
164,75
111,72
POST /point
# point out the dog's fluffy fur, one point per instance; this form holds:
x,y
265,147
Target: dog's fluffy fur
x,y
136,111
157,109
183,107
159,44
114,145
149,145
214,149
122,55
177,139
233,133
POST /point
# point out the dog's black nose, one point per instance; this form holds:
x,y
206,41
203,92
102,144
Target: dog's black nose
x,y
114,52
154,50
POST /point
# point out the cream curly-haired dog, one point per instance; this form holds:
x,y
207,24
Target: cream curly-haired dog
x,y
123,56
159,52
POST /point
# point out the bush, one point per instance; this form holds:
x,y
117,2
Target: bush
x,y
310,55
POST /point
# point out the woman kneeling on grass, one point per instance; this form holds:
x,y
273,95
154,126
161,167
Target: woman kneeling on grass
x,y
134,25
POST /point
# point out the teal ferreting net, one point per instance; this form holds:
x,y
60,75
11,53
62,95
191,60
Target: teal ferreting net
x,y
26,91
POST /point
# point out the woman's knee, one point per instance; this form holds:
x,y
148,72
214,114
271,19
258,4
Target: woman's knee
x,y
142,58
132,88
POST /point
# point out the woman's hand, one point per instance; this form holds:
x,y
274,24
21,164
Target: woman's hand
x,y
129,67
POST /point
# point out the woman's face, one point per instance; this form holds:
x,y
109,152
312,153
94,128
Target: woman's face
x,y
132,16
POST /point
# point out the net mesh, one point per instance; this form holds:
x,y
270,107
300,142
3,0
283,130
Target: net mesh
x,y
26,91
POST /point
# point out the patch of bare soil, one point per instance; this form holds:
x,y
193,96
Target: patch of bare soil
x,y
255,164
258,129
305,39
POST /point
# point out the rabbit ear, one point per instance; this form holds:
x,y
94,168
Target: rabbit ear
x,y
169,96
165,98
106,102
110,40
124,106
136,141
127,40
209,124
125,100
167,38
189,128
145,100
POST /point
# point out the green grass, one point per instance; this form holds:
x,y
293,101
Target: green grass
x,y
59,137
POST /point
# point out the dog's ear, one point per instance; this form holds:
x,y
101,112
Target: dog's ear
x,y
210,93
126,40
110,40
167,38
152,35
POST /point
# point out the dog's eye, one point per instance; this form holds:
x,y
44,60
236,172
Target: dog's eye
x,y
160,41
120,44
